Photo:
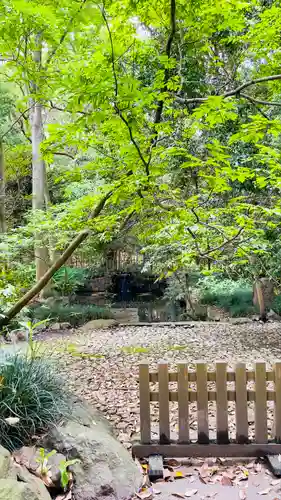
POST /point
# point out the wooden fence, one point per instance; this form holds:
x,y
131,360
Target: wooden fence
x,y
260,380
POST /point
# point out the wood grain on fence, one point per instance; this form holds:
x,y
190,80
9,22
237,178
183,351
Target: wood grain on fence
x,y
219,393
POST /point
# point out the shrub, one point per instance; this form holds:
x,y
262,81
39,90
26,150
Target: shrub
x,y
32,396
67,280
76,314
236,297
276,305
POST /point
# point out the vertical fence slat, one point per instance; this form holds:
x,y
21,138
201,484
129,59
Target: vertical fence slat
x,y
241,403
202,403
277,410
164,417
261,403
183,402
144,391
222,408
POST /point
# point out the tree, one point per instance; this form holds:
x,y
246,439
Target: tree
x,y
179,107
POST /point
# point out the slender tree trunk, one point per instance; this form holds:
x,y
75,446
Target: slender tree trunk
x,y
38,172
36,289
2,190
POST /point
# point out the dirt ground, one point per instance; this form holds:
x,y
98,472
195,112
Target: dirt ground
x,y
102,367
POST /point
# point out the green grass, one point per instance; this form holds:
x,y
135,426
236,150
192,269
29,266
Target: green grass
x,y
31,392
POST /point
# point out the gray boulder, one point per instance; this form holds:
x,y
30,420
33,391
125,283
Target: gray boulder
x,y
16,483
105,468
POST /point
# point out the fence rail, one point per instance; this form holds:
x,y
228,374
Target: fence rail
x,y
183,378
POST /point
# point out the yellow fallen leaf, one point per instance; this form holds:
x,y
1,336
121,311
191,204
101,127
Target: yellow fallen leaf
x,y
178,474
145,467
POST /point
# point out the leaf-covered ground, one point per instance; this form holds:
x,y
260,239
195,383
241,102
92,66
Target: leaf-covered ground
x,y
102,365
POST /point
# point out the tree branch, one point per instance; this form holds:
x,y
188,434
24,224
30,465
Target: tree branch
x,y
160,105
15,122
116,107
236,92
65,33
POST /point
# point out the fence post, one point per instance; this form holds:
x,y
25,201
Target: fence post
x,y
277,409
241,403
260,403
222,404
164,415
144,392
202,403
183,403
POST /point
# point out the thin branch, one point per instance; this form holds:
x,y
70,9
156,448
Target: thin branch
x,y
65,33
253,101
116,107
160,105
227,242
231,93
60,153
258,101
15,122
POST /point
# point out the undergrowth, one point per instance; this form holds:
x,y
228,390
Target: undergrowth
x,y
76,314
236,297
32,398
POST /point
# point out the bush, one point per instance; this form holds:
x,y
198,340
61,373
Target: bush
x,y
236,297
31,392
276,305
67,280
76,314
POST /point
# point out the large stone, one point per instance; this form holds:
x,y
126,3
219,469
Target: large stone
x,y
29,456
6,465
105,469
11,489
16,483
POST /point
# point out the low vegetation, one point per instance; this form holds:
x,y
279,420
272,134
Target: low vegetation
x,y
76,314
32,398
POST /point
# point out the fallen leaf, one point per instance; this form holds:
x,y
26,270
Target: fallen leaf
x,y
192,479
204,470
226,481
275,482
178,474
190,493
167,474
172,462
145,467
178,495
12,421
242,494
155,491
145,494
212,495
264,492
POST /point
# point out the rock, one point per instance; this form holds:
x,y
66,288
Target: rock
x,y
105,469
273,315
54,326
6,465
65,326
11,489
97,324
33,484
28,457
16,483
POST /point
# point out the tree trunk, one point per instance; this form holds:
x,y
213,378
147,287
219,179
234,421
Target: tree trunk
x,y
2,190
36,289
38,172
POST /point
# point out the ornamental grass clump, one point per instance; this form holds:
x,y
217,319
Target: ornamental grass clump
x,y
32,398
